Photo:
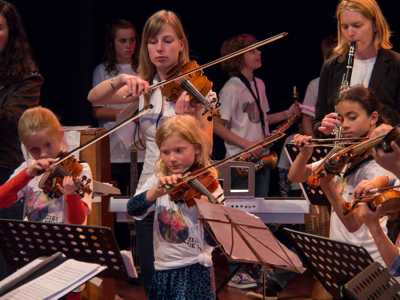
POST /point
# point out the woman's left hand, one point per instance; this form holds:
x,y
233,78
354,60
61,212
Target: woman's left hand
x,y
183,105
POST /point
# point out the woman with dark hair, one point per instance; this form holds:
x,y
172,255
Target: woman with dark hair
x,y
20,85
120,57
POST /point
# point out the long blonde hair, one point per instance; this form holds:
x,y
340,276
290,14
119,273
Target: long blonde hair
x,y
187,128
36,119
371,10
152,27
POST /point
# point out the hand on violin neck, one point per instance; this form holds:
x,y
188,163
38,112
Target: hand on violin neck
x,y
365,186
68,186
38,167
183,105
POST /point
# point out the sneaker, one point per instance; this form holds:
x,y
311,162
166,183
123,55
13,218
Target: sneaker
x,y
242,281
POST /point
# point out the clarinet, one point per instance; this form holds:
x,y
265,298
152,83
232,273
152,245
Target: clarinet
x,y
349,68
345,85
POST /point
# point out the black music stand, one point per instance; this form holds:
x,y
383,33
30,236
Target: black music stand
x,y
313,194
332,262
373,283
23,242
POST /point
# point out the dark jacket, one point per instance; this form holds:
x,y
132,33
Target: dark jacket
x,y
384,83
15,98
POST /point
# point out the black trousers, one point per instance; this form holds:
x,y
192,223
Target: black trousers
x,y
145,249
13,212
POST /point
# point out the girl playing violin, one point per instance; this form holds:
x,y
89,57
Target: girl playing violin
x,y
43,137
357,113
183,264
388,250
164,47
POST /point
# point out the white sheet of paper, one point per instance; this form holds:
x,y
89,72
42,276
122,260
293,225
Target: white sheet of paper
x,y
57,282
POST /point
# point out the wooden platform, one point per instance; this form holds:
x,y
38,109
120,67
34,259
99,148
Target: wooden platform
x,y
300,288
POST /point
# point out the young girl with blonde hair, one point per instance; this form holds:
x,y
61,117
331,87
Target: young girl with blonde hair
x,y
183,262
43,137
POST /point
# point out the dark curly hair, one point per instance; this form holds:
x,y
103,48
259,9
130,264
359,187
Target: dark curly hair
x,y
110,57
16,58
232,66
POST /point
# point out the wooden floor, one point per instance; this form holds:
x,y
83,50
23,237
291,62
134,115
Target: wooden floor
x,y
111,289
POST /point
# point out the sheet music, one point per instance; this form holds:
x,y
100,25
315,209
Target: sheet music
x,y
57,282
20,272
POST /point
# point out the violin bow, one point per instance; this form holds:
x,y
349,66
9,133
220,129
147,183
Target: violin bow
x,y
217,61
266,142
105,134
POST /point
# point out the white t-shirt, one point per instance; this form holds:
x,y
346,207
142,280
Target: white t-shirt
x,y
122,139
178,233
310,98
149,123
39,207
239,109
362,71
362,237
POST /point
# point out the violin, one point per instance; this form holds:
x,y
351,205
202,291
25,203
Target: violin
x,y
186,192
387,199
353,154
196,84
52,179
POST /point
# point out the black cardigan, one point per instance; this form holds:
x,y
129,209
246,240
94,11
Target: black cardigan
x,y
384,83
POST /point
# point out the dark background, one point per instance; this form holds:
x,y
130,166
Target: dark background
x,y
67,38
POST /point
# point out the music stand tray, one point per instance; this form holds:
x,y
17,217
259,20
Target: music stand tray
x,y
374,283
22,242
332,262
